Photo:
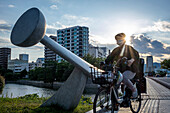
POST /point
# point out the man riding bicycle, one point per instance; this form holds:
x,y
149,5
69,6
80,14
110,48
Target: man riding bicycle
x,y
131,69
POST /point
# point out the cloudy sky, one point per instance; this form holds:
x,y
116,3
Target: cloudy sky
x,y
145,22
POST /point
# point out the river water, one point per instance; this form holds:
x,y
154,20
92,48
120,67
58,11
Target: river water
x,y
17,90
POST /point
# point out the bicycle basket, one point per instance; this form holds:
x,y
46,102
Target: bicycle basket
x,y
101,77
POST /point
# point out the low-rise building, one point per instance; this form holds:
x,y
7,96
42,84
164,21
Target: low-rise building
x,y
18,65
39,63
98,52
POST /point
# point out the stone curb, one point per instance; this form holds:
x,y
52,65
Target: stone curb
x,y
167,85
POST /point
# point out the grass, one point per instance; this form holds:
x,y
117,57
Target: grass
x,y
31,103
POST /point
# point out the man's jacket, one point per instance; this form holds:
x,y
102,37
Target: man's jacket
x,y
129,52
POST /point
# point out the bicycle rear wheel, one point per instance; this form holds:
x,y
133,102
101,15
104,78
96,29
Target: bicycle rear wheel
x,y
135,104
101,100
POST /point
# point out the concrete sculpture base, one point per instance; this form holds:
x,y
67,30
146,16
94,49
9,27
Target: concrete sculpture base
x,y
68,96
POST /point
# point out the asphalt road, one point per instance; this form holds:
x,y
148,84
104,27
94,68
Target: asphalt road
x,y
157,99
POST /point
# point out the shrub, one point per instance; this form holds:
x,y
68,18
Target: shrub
x,y
2,81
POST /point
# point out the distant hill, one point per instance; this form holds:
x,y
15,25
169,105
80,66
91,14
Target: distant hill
x,y
155,65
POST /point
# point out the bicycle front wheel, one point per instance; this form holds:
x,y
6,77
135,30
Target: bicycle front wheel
x,y
101,100
135,104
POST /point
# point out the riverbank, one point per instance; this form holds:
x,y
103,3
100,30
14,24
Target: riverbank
x,y
31,103
89,88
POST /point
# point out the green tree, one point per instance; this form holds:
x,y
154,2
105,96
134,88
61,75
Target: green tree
x,y
54,71
64,69
93,60
2,71
162,73
23,73
9,76
50,71
36,74
31,75
68,70
165,64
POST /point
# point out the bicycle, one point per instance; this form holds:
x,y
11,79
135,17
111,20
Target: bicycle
x,y
110,95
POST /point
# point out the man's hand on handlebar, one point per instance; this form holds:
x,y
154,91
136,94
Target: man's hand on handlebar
x,y
130,62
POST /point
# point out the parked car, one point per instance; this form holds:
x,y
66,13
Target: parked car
x,y
168,73
158,75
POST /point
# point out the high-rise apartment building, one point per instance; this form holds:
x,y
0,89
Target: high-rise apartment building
x,y
149,64
5,53
49,55
75,39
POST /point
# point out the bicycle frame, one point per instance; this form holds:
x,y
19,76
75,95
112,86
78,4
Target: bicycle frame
x,y
110,90
113,95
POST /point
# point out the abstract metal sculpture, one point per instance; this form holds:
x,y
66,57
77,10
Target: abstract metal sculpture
x,y
30,29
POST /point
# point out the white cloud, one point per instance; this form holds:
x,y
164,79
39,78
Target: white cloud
x,y
147,46
55,7
56,25
11,6
72,20
4,41
66,21
73,17
163,26
3,22
52,29
155,58
97,40
34,52
4,26
55,1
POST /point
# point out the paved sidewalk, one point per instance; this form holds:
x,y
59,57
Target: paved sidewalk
x,y
157,95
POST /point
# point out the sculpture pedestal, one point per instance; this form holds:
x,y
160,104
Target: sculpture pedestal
x,y
69,95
